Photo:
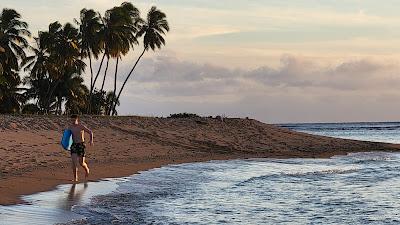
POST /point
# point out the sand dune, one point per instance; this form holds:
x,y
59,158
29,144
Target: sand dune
x,y
32,159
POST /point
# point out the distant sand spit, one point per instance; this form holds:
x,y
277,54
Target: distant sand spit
x,y
32,159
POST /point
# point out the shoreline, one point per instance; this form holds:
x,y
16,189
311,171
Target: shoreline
x,y
14,187
142,143
40,180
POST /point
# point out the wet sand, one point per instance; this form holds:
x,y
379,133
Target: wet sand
x,y
33,161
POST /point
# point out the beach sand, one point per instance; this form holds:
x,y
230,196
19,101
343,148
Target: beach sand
x,y
32,159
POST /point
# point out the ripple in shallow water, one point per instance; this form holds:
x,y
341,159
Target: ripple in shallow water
x,y
300,191
356,189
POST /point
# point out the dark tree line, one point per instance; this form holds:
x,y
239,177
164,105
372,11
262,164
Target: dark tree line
x,y
53,63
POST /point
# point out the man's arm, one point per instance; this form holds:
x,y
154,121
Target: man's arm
x,y
90,133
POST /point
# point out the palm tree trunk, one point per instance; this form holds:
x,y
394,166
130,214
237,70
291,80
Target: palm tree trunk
x,y
51,95
45,100
98,72
126,80
115,87
59,105
91,70
91,82
105,74
94,83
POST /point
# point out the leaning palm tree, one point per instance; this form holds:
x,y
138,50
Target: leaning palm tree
x,y
13,34
117,35
90,24
120,28
152,31
90,42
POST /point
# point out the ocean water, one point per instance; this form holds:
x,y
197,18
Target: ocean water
x,y
360,188
368,131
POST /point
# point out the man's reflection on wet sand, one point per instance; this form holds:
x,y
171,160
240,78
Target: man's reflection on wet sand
x,y
74,196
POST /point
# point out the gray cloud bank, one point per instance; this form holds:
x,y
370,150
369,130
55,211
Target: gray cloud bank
x,y
299,90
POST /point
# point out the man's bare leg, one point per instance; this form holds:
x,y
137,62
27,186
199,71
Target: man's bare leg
x,y
74,158
85,166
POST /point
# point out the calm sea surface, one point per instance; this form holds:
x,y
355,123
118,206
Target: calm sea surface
x,y
361,188
367,131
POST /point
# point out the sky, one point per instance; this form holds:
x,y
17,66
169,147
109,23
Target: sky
x,y
276,61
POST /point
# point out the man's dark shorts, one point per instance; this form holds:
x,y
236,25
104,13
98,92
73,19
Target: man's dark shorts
x,y
78,148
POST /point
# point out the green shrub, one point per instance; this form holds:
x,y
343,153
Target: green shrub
x,y
184,115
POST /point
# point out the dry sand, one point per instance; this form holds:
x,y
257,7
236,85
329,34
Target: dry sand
x,y
32,159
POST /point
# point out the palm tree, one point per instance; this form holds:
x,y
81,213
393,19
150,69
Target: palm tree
x,y
38,91
102,102
13,34
75,93
30,108
120,28
91,44
65,54
38,62
97,102
152,31
71,89
11,96
39,65
56,58
109,102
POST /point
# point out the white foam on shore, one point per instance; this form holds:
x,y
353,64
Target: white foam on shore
x,y
56,206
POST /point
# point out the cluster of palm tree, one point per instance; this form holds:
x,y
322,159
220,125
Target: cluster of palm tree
x,y
55,61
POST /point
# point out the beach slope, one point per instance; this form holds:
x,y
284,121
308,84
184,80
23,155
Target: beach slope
x,y
32,159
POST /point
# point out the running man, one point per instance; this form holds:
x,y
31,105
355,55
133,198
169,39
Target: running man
x,y
78,146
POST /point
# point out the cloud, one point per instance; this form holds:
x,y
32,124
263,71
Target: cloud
x,y
170,73
299,89
170,69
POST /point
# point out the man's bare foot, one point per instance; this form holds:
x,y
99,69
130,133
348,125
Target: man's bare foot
x,y
75,180
87,172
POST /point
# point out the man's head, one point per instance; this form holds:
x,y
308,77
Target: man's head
x,y
75,119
